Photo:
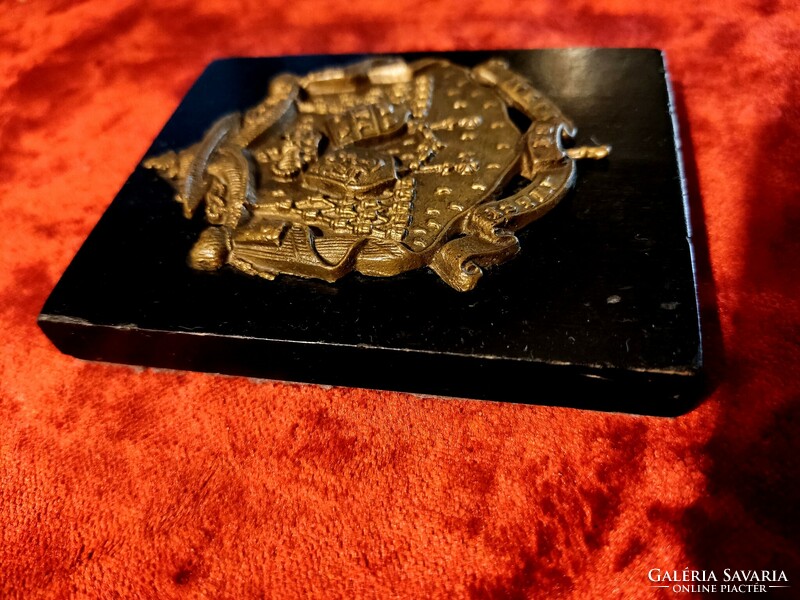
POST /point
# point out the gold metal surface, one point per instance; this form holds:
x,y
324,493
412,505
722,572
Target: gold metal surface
x,y
380,167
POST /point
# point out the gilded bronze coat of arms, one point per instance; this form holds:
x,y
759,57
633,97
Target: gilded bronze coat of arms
x,y
380,167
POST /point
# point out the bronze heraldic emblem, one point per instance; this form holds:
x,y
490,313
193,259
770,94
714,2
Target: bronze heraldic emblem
x,y
380,167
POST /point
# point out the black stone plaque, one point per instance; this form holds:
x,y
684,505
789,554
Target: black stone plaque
x,y
598,310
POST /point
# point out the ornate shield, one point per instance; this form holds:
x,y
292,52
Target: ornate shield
x,y
380,167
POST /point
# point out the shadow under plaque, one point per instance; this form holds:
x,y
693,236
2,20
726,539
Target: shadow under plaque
x,y
597,311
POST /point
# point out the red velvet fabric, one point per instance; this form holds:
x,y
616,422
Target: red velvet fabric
x,y
120,482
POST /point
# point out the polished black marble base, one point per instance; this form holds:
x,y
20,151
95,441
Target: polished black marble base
x,y
598,311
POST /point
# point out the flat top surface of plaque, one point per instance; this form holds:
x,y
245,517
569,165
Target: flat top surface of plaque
x,y
604,282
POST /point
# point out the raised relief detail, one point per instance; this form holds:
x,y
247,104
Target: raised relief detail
x,y
380,167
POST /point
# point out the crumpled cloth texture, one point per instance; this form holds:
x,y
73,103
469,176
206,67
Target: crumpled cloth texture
x,y
125,483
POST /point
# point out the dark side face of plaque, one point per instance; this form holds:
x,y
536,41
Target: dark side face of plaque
x,y
594,306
